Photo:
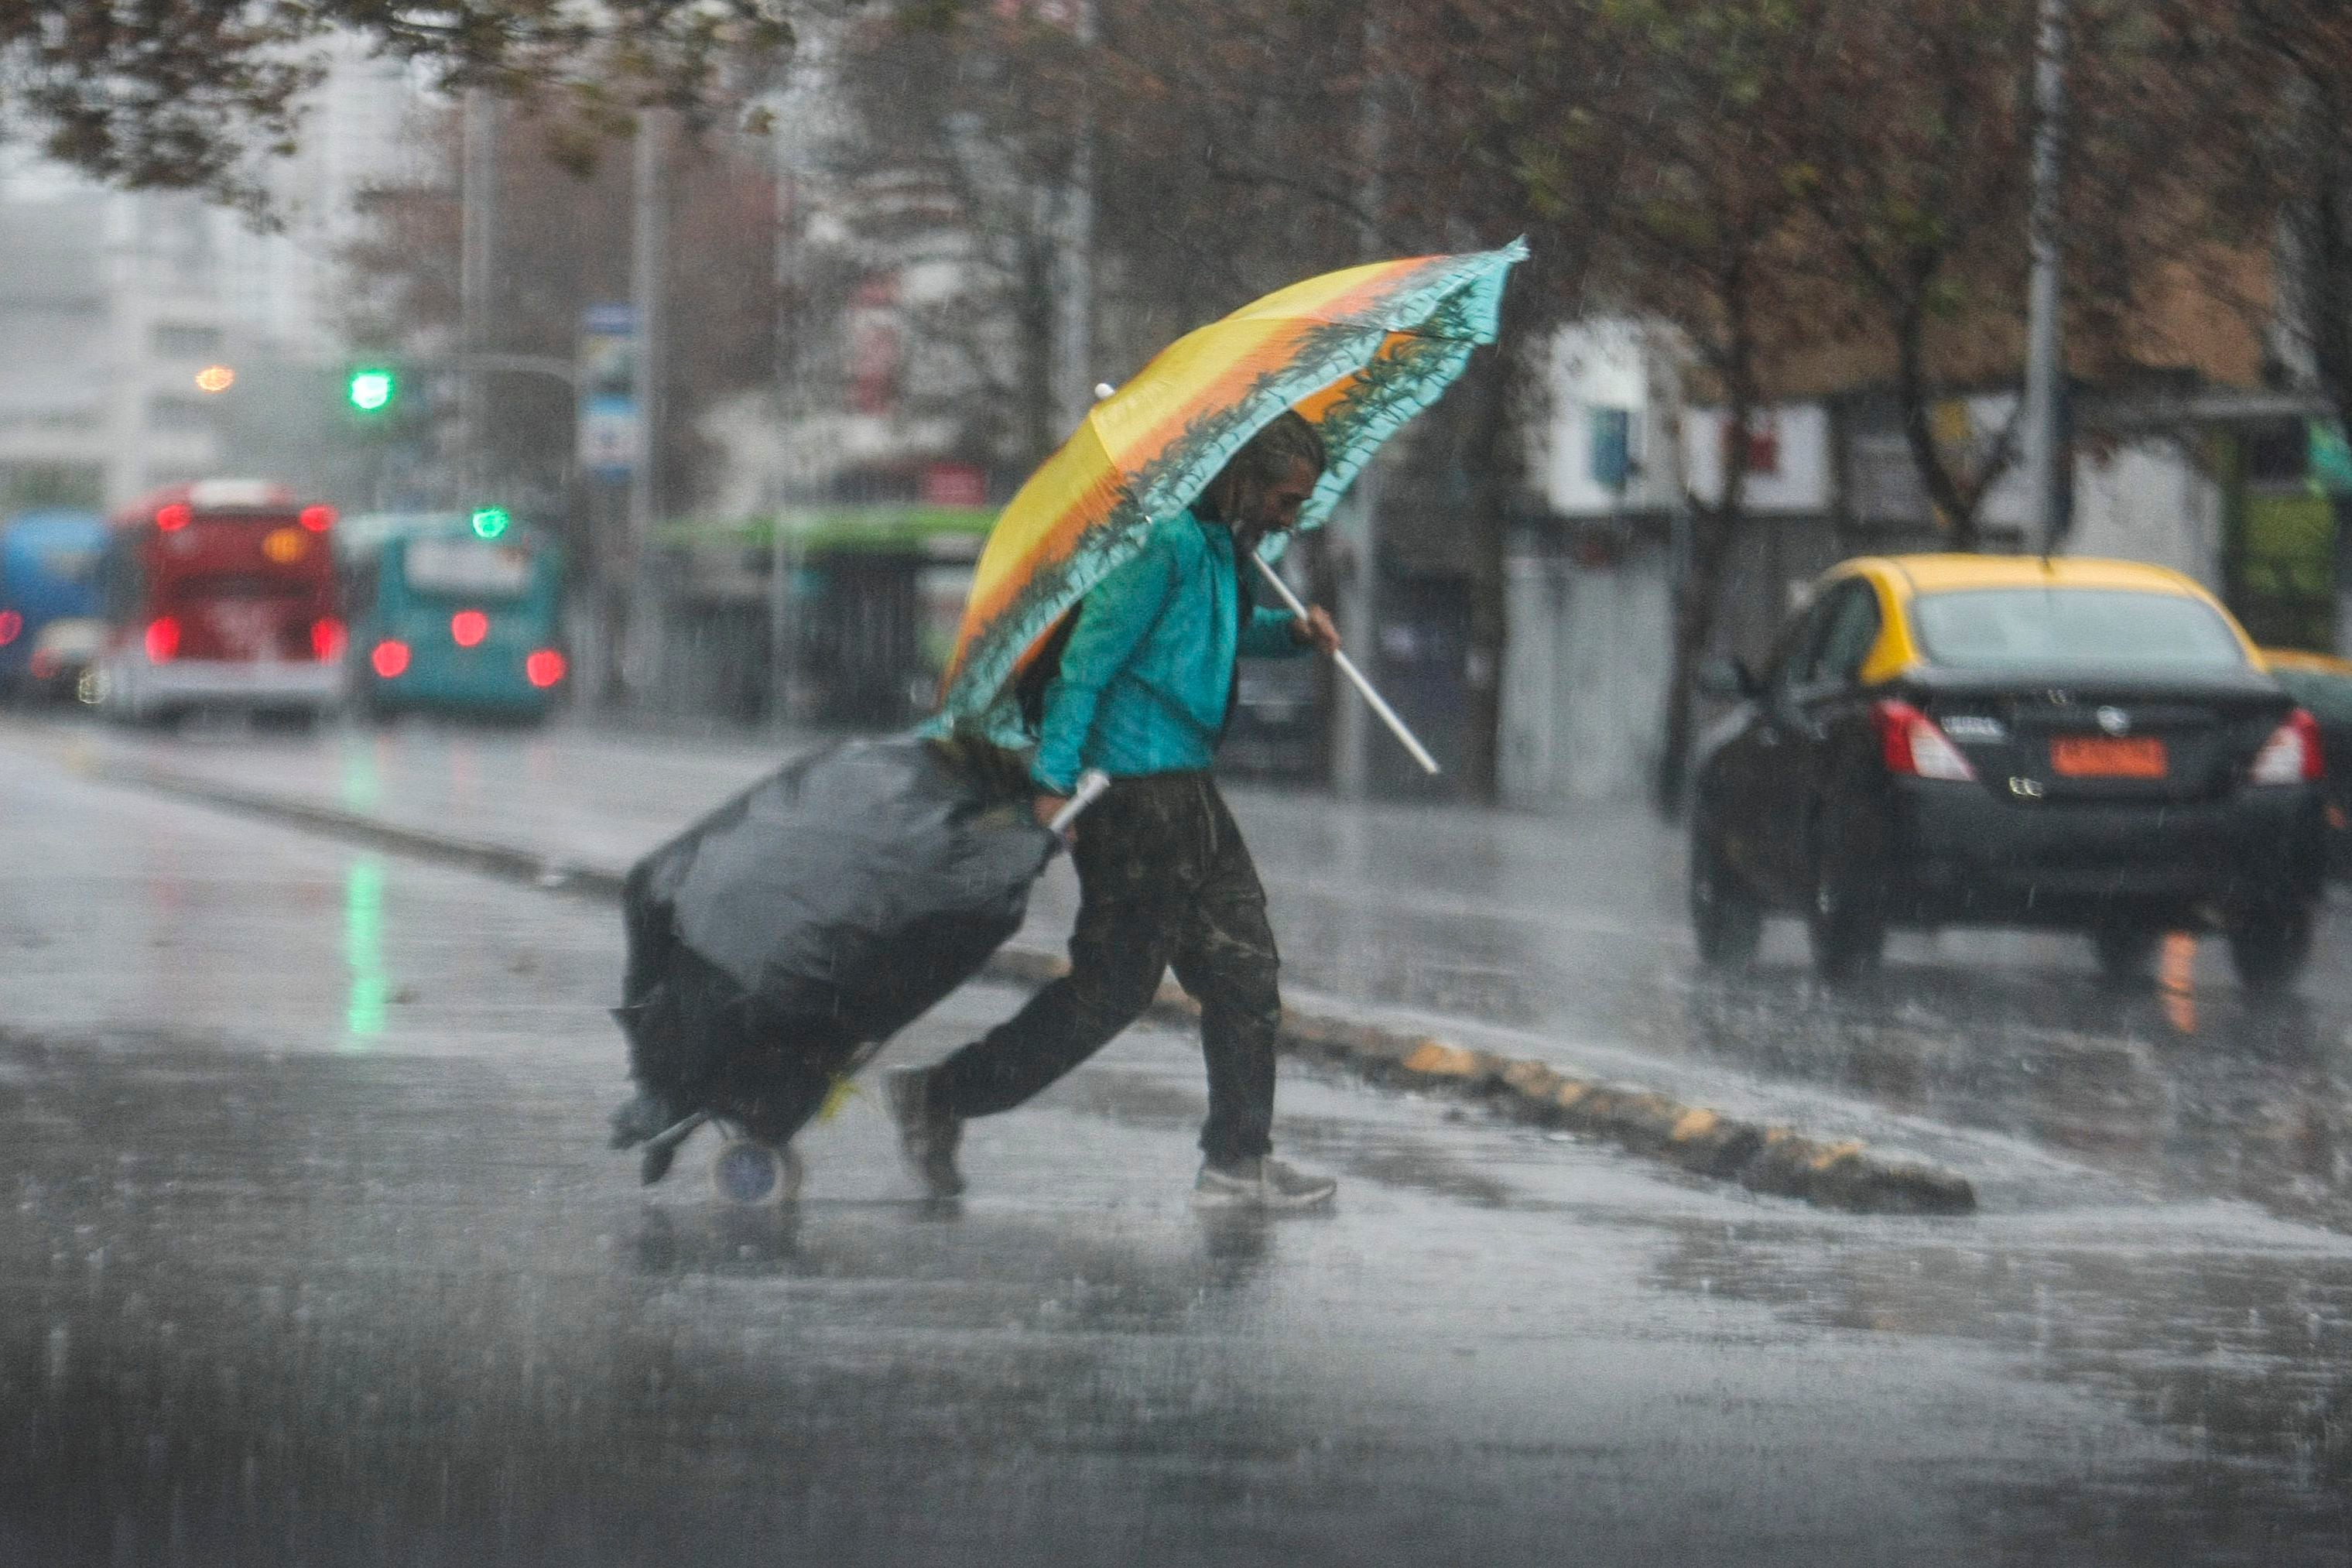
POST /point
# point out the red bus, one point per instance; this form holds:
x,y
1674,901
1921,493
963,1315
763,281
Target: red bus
x,y
221,594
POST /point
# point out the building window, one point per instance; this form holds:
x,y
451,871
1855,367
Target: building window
x,y
1763,444
185,342
1611,455
2276,454
179,415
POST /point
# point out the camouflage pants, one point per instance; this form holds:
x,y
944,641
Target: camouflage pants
x,y
1164,878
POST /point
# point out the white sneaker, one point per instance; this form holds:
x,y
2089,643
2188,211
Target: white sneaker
x,y
1266,1184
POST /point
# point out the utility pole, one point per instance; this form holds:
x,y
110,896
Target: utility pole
x,y
1074,369
478,202
638,645
791,402
1359,589
2044,462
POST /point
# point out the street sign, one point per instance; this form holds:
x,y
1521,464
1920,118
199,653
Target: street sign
x,y
612,427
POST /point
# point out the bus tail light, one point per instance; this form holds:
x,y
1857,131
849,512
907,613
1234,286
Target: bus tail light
x,y
326,639
1911,743
390,658
544,668
2292,754
468,627
163,639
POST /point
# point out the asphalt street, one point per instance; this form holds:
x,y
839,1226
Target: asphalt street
x,y
316,1255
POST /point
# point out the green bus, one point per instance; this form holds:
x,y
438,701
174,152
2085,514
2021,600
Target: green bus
x,y
453,612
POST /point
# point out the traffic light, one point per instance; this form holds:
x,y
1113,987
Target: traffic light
x,y
371,389
489,521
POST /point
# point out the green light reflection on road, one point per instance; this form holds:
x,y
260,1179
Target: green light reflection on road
x,y
363,948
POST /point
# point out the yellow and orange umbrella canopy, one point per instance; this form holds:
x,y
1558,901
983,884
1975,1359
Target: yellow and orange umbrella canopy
x,y
1358,353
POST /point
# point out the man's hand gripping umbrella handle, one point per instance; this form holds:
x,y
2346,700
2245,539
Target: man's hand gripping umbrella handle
x,y
1348,668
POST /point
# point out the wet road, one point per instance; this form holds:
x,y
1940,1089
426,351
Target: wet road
x,y
313,1254
1561,938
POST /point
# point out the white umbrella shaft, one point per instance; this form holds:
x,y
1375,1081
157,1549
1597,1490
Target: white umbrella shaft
x,y
1348,668
1091,785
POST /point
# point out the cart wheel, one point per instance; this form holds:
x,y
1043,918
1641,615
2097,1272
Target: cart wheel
x,y
752,1173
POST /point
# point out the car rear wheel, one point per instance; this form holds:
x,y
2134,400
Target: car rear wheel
x,y
2126,952
1725,918
1846,931
2269,950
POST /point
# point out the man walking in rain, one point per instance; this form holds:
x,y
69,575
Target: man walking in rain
x,y
1144,692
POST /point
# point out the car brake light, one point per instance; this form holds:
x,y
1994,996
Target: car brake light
x,y
162,640
172,519
1911,744
11,626
390,658
2292,754
317,518
327,638
468,627
544,668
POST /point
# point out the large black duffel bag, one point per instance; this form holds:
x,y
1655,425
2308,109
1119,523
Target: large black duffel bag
x,y
779,940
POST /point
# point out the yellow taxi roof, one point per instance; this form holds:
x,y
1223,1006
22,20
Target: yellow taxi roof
x,y
1902,578
1945,574
2296,658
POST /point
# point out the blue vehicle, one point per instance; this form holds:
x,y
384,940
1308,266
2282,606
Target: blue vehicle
x,y
51,619
453,612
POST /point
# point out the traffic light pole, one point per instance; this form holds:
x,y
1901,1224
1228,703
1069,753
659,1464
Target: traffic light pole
x,y
478,194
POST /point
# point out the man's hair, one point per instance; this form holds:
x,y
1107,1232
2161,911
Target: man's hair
x,y
1266,458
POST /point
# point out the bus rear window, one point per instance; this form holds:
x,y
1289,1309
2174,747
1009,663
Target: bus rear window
x,y
2096,629
467,568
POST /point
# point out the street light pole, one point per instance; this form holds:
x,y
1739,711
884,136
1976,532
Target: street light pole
x,y
637,648
1075,336
2043,348
1359,588
477,203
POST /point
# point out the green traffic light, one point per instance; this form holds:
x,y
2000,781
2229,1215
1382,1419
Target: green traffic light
x,y
372,391
489,521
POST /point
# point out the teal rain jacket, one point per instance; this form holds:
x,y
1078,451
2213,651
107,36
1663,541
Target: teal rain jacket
x,y
1148,673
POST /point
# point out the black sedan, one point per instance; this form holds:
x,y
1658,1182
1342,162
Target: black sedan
x,y
1947,740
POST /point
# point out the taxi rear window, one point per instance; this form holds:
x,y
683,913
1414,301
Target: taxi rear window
x,y
2103,629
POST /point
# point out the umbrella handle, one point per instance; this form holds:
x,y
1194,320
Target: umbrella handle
x,y
1348,668
1091,784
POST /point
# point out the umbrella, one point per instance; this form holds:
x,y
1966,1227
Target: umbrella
x,y
1358,352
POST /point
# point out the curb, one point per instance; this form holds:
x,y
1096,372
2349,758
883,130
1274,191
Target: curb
x,y
1772,1160
1776,1161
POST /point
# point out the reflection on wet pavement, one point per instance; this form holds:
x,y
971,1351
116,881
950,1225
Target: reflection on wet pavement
x,y
276,1287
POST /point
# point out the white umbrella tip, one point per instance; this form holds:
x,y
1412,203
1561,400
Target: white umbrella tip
x,y
1103,389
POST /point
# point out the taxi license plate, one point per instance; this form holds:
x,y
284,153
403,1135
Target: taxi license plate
x,y
2108,757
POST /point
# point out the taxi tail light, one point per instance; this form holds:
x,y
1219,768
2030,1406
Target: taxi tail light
x,y
2292,754
544,668
162,640
1912,744
326,639
389,658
